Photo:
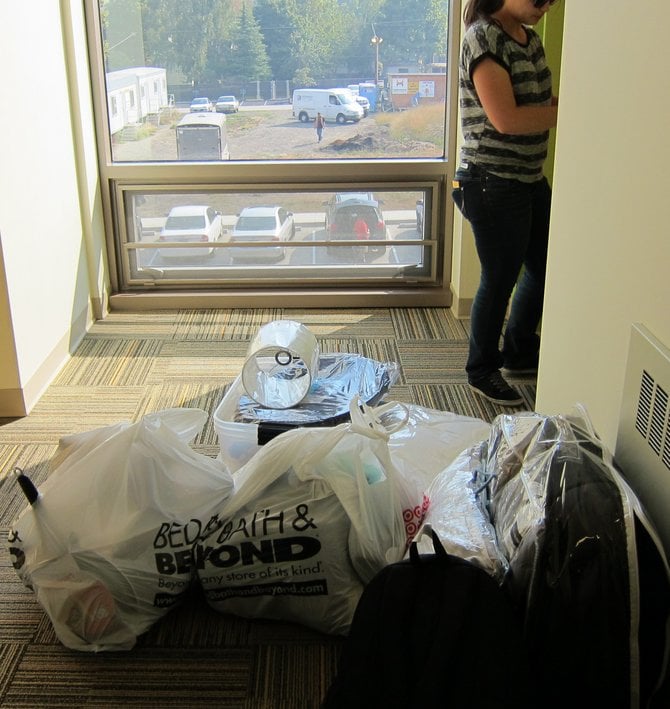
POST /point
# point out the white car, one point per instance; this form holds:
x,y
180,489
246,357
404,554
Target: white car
x,y
227,104
363,103
263,223
360,100
191,224
198,105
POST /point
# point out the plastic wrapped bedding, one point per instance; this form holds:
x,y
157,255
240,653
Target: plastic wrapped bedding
x,y
566,525
508,443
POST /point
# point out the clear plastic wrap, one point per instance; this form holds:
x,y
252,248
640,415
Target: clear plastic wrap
x,y
566,526
458,518
243,426
339,378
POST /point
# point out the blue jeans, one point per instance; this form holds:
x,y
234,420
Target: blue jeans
x,y
510,222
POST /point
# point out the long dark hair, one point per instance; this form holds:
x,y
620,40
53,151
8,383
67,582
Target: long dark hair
x,y
480,10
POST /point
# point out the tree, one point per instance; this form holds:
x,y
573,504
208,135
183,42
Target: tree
x,y
414,30
277,29
248,59
122,34
320,39
180,34
361,16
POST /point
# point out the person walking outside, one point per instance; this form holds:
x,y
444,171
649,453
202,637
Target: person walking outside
x,y
319,124
507,109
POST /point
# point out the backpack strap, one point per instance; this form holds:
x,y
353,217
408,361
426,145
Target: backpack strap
x,y
428,530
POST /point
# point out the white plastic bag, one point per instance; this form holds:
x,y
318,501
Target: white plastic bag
x,y
315,514
107,546
431,440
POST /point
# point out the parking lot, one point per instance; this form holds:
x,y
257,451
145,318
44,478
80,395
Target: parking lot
x,y
307,248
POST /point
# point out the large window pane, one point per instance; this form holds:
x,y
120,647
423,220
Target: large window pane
x,y
205,114
376,70
242,236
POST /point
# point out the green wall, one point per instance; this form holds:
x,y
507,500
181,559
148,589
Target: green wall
x,y
551,31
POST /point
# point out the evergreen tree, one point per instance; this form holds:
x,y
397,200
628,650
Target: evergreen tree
x,y
248,59
277,29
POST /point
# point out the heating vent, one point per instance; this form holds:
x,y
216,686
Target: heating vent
x,y
651,420
643,436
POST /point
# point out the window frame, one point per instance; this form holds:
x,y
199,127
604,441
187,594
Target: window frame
x,y
434,174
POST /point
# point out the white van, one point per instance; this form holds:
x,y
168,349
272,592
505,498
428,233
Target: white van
x,y
336,105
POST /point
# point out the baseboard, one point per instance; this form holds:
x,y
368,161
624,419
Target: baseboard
x,y
461,307
16,403
12,403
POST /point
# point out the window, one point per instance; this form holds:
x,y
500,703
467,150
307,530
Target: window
x,y
384,150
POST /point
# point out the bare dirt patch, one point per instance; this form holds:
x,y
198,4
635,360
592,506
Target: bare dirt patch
x,y
276,135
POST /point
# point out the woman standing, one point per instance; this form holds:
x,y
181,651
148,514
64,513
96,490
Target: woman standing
x,y
507,109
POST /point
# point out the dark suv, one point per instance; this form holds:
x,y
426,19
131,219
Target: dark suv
x,y
353,217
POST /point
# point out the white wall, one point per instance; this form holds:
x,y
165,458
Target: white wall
x,y
46,299
609,243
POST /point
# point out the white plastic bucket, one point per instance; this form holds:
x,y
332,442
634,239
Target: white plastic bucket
x,y
281,362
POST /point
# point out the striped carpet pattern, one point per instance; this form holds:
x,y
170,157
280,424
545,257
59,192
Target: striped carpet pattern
x,y
131,364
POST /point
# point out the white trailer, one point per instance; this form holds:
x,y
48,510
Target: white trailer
x,y
135,93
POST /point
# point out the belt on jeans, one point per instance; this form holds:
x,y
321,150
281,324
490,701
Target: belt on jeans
x,y
472,171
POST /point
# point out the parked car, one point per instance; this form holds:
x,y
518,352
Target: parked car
x,y
262,223
227,104
348,219
363,103
338,197
419,215
191,224
198,105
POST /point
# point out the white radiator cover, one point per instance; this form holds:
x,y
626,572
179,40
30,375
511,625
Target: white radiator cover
x,y
643,439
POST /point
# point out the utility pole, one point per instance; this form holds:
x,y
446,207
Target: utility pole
x,y
376,41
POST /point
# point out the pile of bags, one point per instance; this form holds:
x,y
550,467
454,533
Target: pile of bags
x,y
131,516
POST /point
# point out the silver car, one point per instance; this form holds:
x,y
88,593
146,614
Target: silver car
x,y
201,104
227,104
190,224
262,223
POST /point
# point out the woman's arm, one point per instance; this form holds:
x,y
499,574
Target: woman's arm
x,y
495,92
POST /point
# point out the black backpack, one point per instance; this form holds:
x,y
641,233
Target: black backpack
x,y
436,631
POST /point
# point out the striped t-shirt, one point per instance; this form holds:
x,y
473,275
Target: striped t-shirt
x,y
518,157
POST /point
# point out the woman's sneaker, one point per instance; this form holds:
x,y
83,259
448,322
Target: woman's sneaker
x,y
496,389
